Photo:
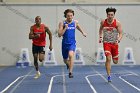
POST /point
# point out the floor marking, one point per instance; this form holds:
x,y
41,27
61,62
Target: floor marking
x,y
51,82
106,80
4,90
64,81
129,82
91,86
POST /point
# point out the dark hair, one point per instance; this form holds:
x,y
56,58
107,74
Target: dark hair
x,y
67,11
37,17
110,9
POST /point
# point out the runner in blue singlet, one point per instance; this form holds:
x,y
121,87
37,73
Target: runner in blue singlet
x,y
67,31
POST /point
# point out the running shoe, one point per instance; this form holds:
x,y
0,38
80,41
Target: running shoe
x,y
38,74
70,75
109,78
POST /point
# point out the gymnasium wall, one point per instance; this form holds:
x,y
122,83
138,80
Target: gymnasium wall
x,y
16,19
69,1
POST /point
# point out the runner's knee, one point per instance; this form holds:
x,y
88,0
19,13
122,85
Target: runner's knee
x,y
115,61
108,59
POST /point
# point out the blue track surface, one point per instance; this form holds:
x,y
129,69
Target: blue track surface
x,y
87,79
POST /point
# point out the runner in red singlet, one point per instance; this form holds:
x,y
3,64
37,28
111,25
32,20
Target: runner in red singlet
x,y
110,33
38,36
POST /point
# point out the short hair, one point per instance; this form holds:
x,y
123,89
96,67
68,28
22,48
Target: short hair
x,y
67,11
37,17
110,9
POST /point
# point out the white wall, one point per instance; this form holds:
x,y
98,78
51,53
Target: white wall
x,y
60,1
15,25
32,1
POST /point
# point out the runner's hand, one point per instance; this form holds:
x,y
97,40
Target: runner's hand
x,y
66,26
84,34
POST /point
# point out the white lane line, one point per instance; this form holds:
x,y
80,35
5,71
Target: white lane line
x,y
5,89
107,81
110,83
132,73
64,81
91,86
129,82
51,82
25,76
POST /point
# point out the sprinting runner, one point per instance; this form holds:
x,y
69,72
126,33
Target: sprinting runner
x,y
67,31
110,33
38,36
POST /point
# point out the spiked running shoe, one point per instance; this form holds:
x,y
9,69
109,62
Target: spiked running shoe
x,y
109,78
38,74
70,75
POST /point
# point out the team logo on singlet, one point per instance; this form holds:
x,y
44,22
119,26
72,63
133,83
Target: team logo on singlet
x,y
71,28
